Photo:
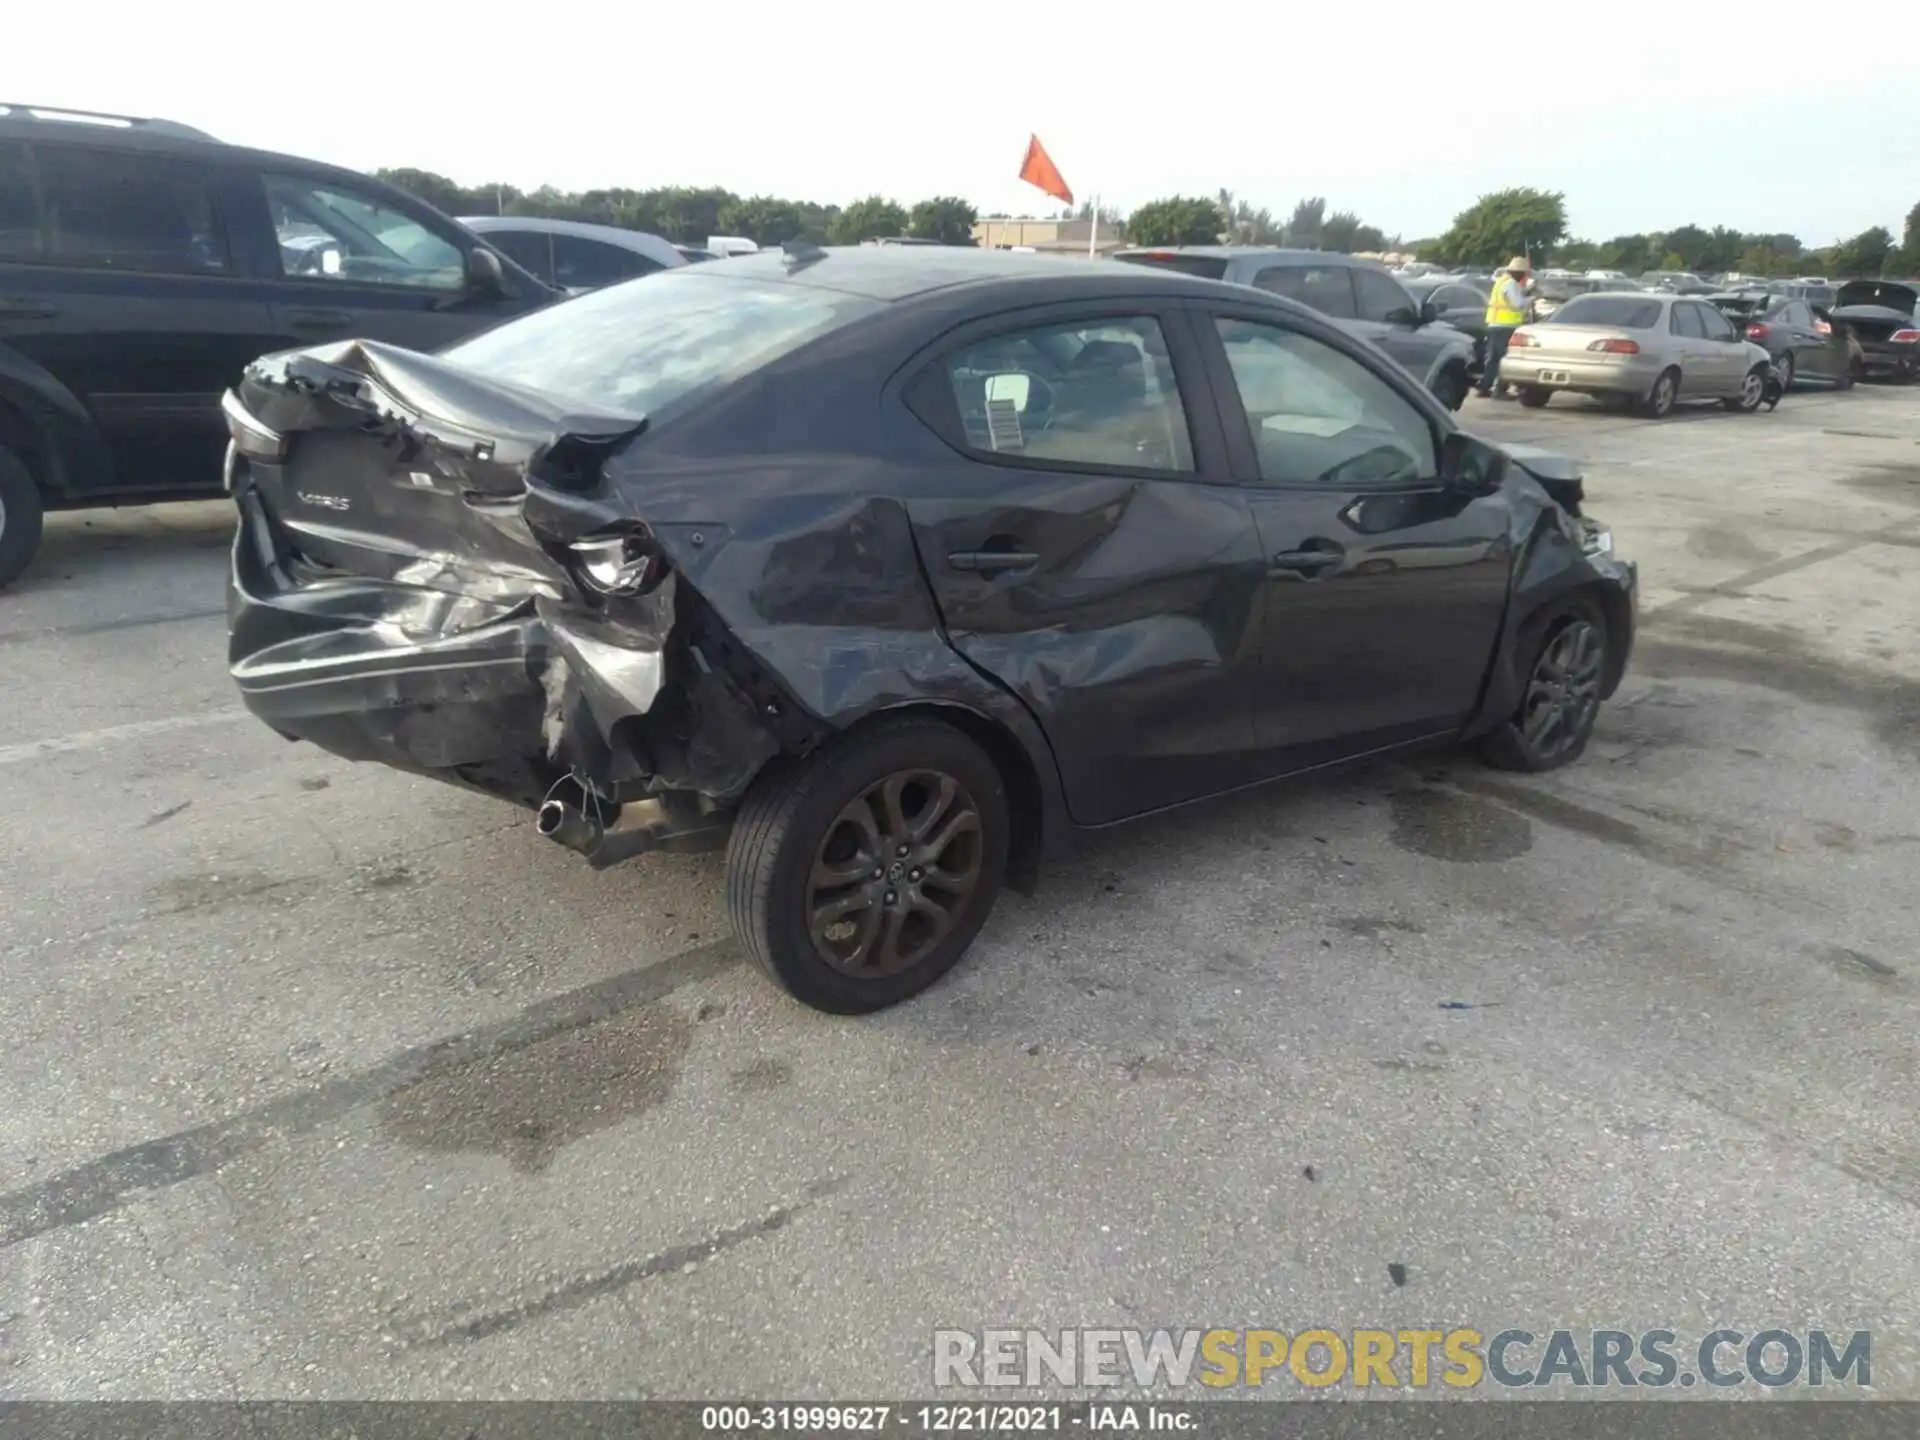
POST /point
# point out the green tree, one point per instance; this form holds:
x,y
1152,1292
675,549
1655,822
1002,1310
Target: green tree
x,y
1308,219
1863,256
873,218
1578,255
1176,220
1244,224
1337,231
1506,223
946,218
437,190
763,219
1686,248
1906,260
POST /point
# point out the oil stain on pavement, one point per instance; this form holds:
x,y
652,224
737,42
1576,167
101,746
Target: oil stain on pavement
x,y
1446,825
528,1104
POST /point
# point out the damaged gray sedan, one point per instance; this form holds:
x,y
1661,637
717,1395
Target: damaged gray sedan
x,y
894,571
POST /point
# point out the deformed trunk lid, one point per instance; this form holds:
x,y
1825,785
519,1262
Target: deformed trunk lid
x,y
1889,295
406,467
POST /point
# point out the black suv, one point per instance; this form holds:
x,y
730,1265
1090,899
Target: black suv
x,y
1362,296
143,264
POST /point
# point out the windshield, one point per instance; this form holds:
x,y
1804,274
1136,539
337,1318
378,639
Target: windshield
x,y
1619,311
642,346
1205,267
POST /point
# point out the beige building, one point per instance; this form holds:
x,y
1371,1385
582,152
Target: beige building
x,y
1060,236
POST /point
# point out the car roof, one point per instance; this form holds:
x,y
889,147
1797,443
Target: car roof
x,y
1256,252
640,242
148,137
902,272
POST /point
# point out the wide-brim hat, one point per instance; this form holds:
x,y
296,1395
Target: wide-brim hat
x,y
1519,262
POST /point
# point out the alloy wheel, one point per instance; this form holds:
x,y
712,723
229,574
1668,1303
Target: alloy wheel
x,y
1663,394
894,873
1563,693
1786,368
1752,389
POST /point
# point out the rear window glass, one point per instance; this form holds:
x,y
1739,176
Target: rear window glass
x,y
1624,311
641,348
1204,267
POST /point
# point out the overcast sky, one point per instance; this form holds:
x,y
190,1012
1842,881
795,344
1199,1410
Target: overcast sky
x,y
1643,118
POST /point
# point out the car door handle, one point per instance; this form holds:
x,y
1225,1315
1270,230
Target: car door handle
x,y
14,307
988,562
1303,562
318,320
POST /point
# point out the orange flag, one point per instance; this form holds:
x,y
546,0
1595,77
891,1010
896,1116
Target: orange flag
x,y
1039,170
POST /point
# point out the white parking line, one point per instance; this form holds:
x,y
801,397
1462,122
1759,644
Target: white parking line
x,y
92,739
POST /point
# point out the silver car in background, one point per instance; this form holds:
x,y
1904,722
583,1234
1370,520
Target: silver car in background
x,y
1649,350
573,255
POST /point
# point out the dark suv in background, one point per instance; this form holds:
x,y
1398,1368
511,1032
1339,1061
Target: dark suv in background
x,y
143,264
1364,297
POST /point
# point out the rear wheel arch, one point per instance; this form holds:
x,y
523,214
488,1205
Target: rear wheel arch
x,y
1026,798
30,444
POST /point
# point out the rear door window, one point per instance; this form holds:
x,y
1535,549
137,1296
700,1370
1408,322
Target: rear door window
x,y
531,250
1379,297
1686,321
1098,393
1326,288
1715,325
20,237
108,210
580,264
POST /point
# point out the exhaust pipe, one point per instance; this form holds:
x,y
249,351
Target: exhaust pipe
x,y
569,825
680,832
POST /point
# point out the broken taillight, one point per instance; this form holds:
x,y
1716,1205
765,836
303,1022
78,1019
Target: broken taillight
x,y
1614,346
1522,341
1821,327
1905,337
251,436
1757,331
622,564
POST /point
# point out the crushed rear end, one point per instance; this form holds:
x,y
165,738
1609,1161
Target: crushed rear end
x,y
1884,317
427,574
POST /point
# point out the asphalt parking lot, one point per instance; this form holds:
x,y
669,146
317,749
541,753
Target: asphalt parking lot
x,y
320,1081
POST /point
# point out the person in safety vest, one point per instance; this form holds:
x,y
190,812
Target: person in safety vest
x,y
1507,310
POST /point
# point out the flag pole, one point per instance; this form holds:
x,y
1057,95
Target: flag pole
x,y
1093,232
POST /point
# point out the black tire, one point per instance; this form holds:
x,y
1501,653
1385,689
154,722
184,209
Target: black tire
x,y
797,812
1753,390
1659,400
1450,387
1518,743
1789,371
19,517
1534,397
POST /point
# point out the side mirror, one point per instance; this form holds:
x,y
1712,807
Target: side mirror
x,y
1470,466
1430,312
485,278
1405,316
